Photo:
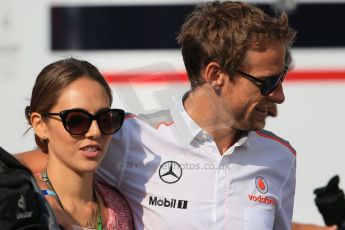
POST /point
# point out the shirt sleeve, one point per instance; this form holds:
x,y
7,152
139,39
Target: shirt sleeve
x,y
283,218
111,168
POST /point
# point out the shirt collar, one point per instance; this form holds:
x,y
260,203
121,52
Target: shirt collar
x,y
187,130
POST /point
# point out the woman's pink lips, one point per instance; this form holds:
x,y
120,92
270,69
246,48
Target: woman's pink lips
x,y
91,151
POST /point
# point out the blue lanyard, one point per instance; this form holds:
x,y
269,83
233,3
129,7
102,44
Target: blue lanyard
x,y
46,179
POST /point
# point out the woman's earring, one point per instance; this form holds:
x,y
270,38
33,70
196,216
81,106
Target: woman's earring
x,y
217,89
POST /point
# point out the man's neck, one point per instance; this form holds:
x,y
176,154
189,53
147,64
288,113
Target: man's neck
x,y
200,107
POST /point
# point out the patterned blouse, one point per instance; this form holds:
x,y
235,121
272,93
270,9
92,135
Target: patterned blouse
x,y
119,213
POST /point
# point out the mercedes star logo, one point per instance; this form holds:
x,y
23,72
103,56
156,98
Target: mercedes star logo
x,y
170,172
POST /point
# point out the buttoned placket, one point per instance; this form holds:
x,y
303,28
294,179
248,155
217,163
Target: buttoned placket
x,y
223,185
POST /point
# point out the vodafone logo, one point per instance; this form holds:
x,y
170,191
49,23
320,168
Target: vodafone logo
x,y
261,184
262,199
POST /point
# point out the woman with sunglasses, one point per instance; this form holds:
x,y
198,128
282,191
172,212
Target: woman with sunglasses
x,y
73,122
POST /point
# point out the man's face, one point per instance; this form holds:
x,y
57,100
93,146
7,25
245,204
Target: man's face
x,y
242,98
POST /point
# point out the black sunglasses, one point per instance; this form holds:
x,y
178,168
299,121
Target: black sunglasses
x,y
269,84
78,121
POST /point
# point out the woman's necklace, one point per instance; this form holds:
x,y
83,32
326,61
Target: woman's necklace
x,y
89,224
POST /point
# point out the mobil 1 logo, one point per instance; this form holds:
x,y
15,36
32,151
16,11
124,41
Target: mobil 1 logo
x,y
168,203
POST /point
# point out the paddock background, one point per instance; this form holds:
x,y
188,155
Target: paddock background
x,y
147,79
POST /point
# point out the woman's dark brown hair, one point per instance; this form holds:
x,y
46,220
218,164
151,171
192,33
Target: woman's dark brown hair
x,y
52,80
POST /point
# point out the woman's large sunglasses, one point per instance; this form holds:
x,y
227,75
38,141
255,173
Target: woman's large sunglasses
x,y
78,121
267,85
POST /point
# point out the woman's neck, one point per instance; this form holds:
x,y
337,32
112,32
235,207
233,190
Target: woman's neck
x,y
71,187
75,193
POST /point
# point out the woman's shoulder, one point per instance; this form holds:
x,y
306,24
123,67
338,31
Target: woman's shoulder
x,y
111,195
119,212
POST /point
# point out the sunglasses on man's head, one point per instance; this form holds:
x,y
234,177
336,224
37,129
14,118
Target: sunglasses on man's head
x,y
269,84
78,121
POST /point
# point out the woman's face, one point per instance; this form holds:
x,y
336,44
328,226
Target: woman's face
x,y
82,153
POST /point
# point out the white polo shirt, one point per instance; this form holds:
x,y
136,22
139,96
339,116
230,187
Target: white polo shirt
x,y
174,177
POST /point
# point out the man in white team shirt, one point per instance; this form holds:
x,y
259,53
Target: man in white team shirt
x,y
207,163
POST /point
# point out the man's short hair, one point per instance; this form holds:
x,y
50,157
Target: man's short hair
x,y
223,32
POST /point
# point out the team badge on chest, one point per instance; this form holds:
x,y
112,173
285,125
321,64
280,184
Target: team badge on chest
x,y
261,185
